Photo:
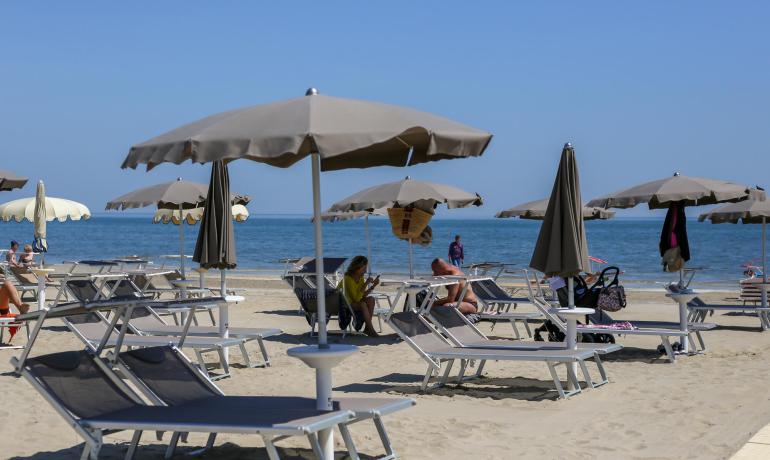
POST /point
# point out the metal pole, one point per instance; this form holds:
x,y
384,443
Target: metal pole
x,y
571,321
323,376
224,314
181,243
368,242
764,263
411,263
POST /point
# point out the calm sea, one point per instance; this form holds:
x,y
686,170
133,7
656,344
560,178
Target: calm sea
x,y
263,240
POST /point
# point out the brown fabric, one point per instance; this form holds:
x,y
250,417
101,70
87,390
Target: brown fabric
x,y
561,247
10,181
216,240
748,212
535,210
691,191
347,133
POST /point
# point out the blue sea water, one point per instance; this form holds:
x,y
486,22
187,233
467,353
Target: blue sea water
x,y
263,240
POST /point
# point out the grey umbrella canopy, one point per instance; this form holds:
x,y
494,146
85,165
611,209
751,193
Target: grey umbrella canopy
x,y
421,194
215,247
747,212
10,181
168,195
561,247
658,194
347,133
535,210
337,134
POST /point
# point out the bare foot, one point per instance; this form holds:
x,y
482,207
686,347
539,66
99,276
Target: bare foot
x,y
371,333
23,308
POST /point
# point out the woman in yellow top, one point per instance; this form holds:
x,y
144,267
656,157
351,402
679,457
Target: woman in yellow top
x,y
357,290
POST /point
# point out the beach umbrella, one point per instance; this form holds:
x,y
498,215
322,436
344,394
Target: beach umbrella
x,y
340,216
194,215
55,209
10,181
535,210
404,194
336,133
562,249
178,195
40,244
747,212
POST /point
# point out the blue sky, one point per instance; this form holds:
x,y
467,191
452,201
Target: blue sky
x,y
641,89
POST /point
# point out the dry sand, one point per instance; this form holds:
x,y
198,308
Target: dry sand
x,y
702,407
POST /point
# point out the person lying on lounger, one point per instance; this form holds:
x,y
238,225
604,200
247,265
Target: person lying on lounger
x,y
357,290
469,303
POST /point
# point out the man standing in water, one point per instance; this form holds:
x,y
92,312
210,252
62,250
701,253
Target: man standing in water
x,y
456,253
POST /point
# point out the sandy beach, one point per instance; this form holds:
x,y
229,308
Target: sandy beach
x,y
702,407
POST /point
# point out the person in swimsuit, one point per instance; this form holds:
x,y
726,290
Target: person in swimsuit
x,y
10,256
469,303
9,295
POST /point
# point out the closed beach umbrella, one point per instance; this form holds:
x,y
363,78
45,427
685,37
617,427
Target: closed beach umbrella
x,y
178,195
40,244
55,209
535,210
10,181
747,212
192,216
337,133
562,249
405,193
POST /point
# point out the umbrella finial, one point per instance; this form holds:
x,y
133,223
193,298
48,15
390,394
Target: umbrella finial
x,y
677,174
311,92
179,179
568,145
407,177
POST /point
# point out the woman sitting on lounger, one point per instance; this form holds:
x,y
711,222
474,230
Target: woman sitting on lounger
x,y
357,290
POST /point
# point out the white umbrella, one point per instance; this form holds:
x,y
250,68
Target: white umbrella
x,y
55,209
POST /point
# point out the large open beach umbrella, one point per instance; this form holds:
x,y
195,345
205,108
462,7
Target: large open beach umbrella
x,y
535,210
55,209
405,193
178,195
337,134
10,181
562,249
747,212
192,216
40,244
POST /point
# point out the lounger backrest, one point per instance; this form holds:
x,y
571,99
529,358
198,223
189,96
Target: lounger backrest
x,y
89,325
308,298
165,373
124,288
451,320
490,290
24,275
410,325
83,289
331,265
78,384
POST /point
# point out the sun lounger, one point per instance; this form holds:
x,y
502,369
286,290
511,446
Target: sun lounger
x,y
496,305
26,281
166,377
335,302
699,309
650,328
95,404
437,352
462,333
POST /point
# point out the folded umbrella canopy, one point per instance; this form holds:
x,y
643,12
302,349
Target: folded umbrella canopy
x,y
40,244
405,193
747,212
337,133
535,210
178,195
562,249
10,181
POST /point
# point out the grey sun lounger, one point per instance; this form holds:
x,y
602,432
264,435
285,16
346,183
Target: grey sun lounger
x,y
462,333
436,351
699,309
91,328
95,403
496,306
664,330
166,377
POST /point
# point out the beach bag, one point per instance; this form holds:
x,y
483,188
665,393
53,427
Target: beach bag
x,y
672,260
408,223
612,296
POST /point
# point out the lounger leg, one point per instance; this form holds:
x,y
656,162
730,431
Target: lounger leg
x,y
527,328
480,368
426,379
272,452
313,438
667,346
586,374
700,340
211,316
134,443
445,377
463,366
572,377
600,367
352,451
556,381
172,445
245,354
384,437
263,350
516,334
201,361
223,362
85,455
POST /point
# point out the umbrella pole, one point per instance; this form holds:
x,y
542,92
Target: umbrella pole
x,y
181,243
224,314
764,263
368,242
411,263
